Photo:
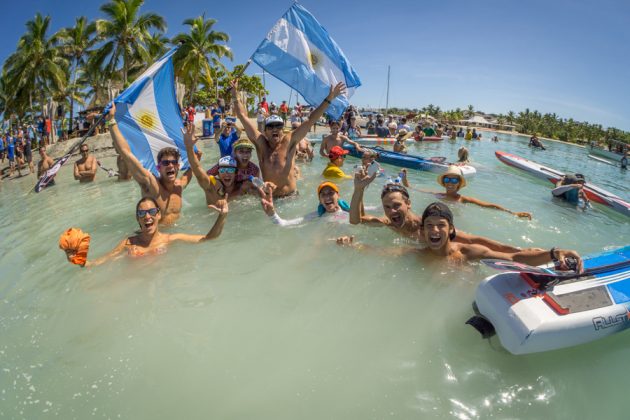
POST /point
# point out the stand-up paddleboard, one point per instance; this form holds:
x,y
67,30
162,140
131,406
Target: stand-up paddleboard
x,y
410,161
602,160
593,192
531,314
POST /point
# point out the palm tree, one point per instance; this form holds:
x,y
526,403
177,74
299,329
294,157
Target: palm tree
x,y
471,111
199,48
76,42
126,32
36,66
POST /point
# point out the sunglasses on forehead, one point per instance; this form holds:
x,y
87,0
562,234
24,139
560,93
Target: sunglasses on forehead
x,y
394,188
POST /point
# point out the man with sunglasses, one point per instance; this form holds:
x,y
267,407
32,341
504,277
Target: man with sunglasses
x,y
398,214
85,167
276,150
225,185
166,189
44,164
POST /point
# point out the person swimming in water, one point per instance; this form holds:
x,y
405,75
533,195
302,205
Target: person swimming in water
x,y
453,180
399,145
330,208
571,189
150,241
398,214
462,156
534,141
438,232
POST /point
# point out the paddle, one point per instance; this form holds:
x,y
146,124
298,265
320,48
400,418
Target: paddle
x,y
505,265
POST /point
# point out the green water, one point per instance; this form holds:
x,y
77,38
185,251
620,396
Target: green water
x,y
279,323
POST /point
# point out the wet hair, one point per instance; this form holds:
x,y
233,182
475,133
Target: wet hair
x,y
462,154
168,151
143,199
442,211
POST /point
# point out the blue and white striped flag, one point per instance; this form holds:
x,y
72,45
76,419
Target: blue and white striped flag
x,y
148,115
299,51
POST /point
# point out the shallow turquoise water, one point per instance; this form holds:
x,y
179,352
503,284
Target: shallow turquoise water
x,y
270,322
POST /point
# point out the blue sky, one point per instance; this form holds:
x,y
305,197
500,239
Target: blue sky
x,y
562,56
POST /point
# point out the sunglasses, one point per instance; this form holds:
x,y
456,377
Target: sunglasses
x,y
272,126
84,150
448,180
141,213
394,188
227,170
166,162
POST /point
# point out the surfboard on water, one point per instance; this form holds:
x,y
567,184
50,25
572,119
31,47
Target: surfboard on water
x,y
575,310
411,161
593,192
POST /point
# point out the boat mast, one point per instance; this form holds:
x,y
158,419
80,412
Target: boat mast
x,y
387,97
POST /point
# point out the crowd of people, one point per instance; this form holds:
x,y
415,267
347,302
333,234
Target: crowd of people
x,y
276,177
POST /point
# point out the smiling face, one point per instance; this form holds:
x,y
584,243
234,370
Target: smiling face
x,y
329,198
396,207
454,185
227,175
168,167
243,155
273,132
148,223
436,232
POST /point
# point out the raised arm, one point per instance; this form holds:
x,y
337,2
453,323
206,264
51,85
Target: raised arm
x,y
301,132
250,129
357,215
532,256
142,176
214,232
193,161
495,206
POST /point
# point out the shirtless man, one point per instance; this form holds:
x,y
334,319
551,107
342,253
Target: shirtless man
x,y
123,169
399,217
45,163
335,138
276,151
438,231
167,189
224,186
85,167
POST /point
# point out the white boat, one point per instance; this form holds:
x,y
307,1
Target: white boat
x,y
529,318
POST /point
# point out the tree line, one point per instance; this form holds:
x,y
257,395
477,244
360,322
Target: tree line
x,y
86,63
547,125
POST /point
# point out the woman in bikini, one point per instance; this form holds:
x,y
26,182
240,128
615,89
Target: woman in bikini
x,y
150,241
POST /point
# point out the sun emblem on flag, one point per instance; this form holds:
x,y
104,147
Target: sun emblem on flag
x,y
314,59
146,120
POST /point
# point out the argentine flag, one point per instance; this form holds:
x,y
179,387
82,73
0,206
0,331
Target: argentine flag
x,y
148,115
299,51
